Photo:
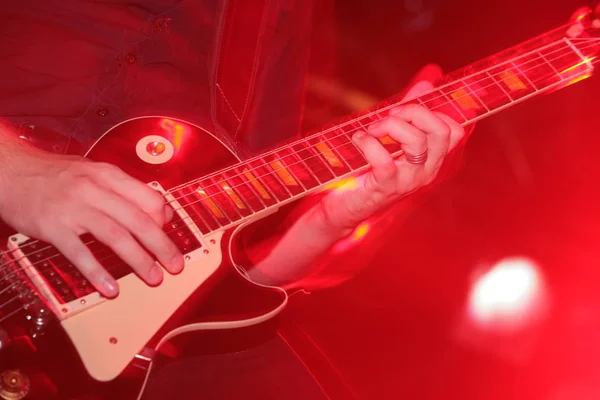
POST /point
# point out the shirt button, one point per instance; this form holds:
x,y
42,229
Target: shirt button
x,y
102,112
130,58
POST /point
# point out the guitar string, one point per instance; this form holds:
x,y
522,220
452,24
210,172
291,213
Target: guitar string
x,y
345,144
537,58
443,95
104,259
3,265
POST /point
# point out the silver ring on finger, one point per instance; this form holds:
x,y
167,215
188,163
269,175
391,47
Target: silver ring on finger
x,y
416,159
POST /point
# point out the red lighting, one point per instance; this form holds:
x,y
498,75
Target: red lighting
x,y
177,132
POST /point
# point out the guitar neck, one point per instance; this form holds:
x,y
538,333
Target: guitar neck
x,y
254,187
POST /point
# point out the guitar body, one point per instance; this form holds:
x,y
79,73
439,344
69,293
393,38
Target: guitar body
x,y
104,336
59,338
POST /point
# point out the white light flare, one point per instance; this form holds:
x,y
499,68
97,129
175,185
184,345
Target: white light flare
x,y
508,297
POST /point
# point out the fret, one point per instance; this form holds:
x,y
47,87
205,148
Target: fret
x,y
286,176
538,70
372,118
490,93
465,98
436,100
217,201
499,85
550,65
324,149
256,182
240,184
350,153
199,220
319,167
567,62
298,168
228,197
191,203
576,50
512,81
271,180
524,75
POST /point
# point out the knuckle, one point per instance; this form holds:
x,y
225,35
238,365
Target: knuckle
x,y
115,234
143,223
156,201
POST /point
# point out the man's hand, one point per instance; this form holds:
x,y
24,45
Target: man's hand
x,y
57,198
417,130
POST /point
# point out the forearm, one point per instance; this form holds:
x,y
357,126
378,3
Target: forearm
x,y
296,253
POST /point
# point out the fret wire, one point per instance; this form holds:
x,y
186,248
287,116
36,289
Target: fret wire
x,y
454,105
289,169
398,103
201,217
203,207
274,173
228,198
395,104
500,86
238,193
306,166
319,157
263,182
576,50
487,73
526,77
335,150
250,186
473,92
562,78
186,185
215,202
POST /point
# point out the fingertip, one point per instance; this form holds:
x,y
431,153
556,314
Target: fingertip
x,y
168,214
177,264
109,288
359,136
155,275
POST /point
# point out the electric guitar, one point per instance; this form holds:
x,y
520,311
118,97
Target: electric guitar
x,y
46,304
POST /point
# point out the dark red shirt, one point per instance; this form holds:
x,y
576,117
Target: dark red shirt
x,y
74,68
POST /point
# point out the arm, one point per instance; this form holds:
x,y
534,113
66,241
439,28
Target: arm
x,y
298,259
57,198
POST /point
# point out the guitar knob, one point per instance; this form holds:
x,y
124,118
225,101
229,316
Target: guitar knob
x,y
14,385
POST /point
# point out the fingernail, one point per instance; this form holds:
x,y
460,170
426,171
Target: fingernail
x,y
177,264
111,287
359,135
156,274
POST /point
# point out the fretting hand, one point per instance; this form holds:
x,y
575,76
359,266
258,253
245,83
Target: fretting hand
x,y
420,132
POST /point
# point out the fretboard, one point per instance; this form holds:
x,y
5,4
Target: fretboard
x,y
277,177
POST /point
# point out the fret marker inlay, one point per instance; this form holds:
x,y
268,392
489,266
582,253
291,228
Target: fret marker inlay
x,y
259,188
512,81
283,173
331,158
236,199
464,100
210,203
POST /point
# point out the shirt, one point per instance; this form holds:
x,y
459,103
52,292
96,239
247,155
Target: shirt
x,y
74,68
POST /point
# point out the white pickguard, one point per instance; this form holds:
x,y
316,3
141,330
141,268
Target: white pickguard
x,y
110,334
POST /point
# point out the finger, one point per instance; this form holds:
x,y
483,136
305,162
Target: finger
x,y
418,89
71,246
422,118
411,139
457,131
381,161
140,224
115,236
136,192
